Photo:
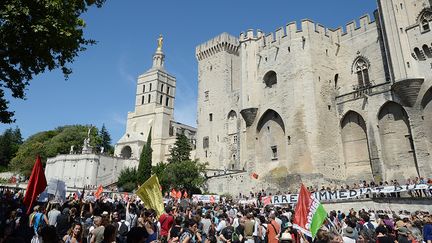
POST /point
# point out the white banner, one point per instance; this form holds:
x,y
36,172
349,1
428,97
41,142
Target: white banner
x,y
346,194
205,198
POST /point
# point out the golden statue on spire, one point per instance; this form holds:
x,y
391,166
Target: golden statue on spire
x,y
160,43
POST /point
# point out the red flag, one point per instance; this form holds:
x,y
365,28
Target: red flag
x,y
254,175
173,193
36,184
266,200
185,195
178,196
98,192
302,207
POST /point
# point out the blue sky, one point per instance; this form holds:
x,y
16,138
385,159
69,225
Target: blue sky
x,y
101,89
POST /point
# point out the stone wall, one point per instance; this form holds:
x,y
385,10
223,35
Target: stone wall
x,y
316,104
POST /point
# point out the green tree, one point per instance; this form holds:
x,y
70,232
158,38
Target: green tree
x,y
106,140
36,36
145,162
181,149
127,180
49,144
188,174
10,141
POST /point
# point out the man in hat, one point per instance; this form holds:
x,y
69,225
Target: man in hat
x,y
348,235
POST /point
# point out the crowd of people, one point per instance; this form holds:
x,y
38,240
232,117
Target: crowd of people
x,y
124,220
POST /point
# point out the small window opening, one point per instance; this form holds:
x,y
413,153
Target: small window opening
x,y
408,64
211,116
168,89
289,49
206,95
289,140
274,152
166,101
235,139
150,89
162,86
329,107
149,98
160,99
142,99
207,156
205,142
270,78
143,88
336,78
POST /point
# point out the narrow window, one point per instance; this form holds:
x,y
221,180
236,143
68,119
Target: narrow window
x,y
150,87
274,152
149,98
142,99
162,87
205,142
235,139
167,101
168,89
143,88
160,99
206,95
211,116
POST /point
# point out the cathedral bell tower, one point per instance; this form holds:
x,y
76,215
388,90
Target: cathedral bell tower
x,y
154,107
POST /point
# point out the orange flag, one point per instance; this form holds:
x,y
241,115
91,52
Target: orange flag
x,y
178,196
254,175
212,199
98,192
185,195
173,193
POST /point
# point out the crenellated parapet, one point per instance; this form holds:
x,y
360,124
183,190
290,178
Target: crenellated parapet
x,y
308,29
222,42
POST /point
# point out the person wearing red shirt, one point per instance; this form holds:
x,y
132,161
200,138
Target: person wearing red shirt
x,y
166,221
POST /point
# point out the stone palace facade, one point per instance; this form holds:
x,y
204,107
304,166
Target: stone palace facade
x,y
319,104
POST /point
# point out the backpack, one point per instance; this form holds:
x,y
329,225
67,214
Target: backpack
x,y
235,237
122,231
265,239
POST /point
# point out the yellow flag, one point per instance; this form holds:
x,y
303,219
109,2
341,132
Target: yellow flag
x,y
150,193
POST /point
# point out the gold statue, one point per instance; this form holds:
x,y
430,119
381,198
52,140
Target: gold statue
x,y
160,43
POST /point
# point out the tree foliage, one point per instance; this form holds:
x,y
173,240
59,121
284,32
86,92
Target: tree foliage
x,y
10,141
105,141
36,36
181,149
181,172
50,143
127,180
145,162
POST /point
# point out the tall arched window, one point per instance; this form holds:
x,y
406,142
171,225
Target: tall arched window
x,y
361,67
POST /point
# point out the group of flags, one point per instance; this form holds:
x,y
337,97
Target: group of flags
x,y
178,194
308,218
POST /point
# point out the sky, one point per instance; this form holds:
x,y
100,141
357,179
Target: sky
x,y
101,89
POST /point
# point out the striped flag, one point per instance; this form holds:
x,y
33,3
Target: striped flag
x,y
309,213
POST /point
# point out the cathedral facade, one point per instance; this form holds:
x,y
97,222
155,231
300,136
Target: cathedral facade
x,y
153,115
314,103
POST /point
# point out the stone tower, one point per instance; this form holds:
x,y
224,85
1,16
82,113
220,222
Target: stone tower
x,y
154,108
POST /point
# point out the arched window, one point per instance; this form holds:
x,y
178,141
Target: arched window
x,y
162,87
419,54
149,98
427,51
270,78
424,19
160,99
361,67
143,88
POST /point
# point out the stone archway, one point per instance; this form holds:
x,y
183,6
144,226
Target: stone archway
x,y
126,152
271,143
426,104
355,147
398,153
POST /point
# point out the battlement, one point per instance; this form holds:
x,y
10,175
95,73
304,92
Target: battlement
x,y
307,29
222,42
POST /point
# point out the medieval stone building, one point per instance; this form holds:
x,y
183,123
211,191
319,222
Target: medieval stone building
x,y
318,104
